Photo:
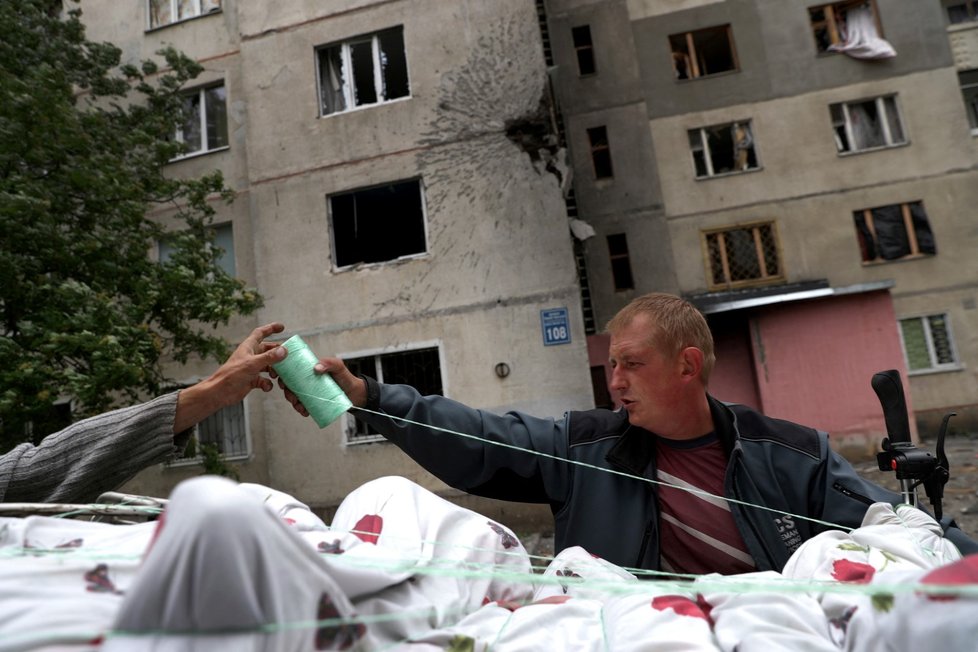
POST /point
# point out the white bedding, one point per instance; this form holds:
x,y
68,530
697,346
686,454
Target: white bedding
x,y
244,567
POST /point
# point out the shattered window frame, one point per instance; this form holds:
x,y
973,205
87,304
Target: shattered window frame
x,y
584,50
206,121
379,235
161,13
730,264
385,79
715,143
621,263
968,80
928,344
889,130
695,53
417,365
600,148
894,232
825,20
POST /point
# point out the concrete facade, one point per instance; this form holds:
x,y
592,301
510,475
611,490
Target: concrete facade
x,y
801,185
497,250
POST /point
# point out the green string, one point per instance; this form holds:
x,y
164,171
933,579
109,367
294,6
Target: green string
x,y
296,371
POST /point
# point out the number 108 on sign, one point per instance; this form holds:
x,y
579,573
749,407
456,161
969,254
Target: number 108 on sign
x,y
555,325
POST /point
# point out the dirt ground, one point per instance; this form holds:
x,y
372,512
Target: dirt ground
x,y
960,493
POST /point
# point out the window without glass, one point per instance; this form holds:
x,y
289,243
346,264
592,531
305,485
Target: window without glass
x,y
961,11
223,240
224,429
584,49
832,22
378,224
621,266
366,70
420,368
703,52
893,232
205,125
164,12
969,91
743,255
722,149
600,153
927,343
866,125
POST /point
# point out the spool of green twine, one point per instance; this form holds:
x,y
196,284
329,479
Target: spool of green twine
x,y
319,393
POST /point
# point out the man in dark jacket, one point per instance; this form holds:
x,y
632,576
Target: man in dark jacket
x,y
674,481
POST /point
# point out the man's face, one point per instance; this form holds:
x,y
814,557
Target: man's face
x,y
645,380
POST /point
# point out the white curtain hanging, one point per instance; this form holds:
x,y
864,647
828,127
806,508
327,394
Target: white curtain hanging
x,y
860,38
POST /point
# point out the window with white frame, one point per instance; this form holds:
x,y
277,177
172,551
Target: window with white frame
x,y
226,430
223,240
165,12
369,69
420,368
867,124
969,92
928,344
205,125
378,224
723,149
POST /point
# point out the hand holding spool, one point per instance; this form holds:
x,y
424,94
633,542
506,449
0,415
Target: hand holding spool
x,y
321,397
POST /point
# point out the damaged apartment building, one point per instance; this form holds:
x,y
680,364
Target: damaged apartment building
x,y
459,195
805,172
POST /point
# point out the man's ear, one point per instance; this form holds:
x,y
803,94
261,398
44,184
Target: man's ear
x,y
691,361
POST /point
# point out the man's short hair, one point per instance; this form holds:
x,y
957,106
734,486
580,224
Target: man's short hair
x,y
676,324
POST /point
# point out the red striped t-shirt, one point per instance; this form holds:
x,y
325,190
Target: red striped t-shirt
x,y
697,533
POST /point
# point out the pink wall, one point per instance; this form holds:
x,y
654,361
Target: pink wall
x,y
814,361
733,379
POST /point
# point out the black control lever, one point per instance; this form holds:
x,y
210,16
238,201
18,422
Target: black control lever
x,y
913,466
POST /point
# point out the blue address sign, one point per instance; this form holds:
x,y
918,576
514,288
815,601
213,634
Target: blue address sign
x,y
555,325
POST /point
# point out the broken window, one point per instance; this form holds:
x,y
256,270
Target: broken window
x,y
866,125
961,11
584,49
851,27
205,124
600,153
225,430
164,12
703,52
621,266
893,232
378,224
969,91
743,255
722,149
927,343
369,69
420,368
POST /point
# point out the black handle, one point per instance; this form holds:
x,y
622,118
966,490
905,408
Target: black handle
x,y
889,389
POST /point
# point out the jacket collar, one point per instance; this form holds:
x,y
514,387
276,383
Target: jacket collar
x,y
635,449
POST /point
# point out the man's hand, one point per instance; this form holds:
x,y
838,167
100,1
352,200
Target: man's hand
x,y
241,373
354,388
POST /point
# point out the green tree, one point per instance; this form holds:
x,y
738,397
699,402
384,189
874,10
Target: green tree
x,y
84,312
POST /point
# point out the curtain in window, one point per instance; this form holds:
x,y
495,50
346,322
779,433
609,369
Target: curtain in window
x,y
867,130
859,38
331,80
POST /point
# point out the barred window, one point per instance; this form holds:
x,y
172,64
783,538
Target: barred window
x,y
225,429
420,368
894,232
927,343
743,255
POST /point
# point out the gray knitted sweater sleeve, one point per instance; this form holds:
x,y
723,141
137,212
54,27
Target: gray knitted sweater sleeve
x,y
91,456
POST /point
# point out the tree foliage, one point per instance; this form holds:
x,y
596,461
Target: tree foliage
x,y
85,313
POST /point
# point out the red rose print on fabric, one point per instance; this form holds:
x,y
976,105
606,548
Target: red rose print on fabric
x,y
856,572
964,571
333,547
368,528
98,581
335,636
684,606
508,540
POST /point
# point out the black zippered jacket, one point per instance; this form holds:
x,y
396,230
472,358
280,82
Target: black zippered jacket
x,y
611,510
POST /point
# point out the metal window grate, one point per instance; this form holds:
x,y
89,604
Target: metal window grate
x,y
743,256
